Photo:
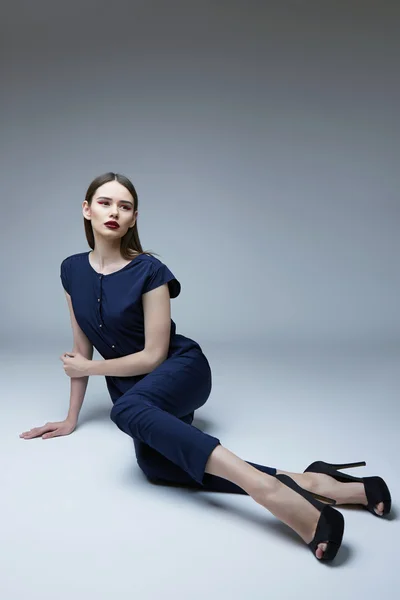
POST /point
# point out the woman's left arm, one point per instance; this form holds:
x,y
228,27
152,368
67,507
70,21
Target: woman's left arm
x,y
157,329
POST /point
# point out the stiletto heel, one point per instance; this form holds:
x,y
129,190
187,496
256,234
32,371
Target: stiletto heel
x,y
323,498
349,465
330,526
376,489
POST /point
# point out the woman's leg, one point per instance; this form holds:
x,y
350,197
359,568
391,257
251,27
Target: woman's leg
x,y
198,453
288,506
151,412
159,469
343,493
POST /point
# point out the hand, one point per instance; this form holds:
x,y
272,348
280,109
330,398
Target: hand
x,y
75,364
50,430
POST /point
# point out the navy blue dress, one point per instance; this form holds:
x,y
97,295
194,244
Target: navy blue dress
x,y
156,409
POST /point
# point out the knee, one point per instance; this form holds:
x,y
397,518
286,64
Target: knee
x,y
124,418
147,471
148,468
127,408
147,460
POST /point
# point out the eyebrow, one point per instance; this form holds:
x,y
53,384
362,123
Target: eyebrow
x,y
107,198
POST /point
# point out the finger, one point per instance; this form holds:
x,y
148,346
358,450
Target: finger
x,y
31,431
49,435
29,435
38,430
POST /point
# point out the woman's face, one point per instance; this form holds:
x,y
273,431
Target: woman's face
x,y
111,202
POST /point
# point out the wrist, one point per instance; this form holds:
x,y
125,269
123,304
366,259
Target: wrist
x,y
89,368
71,418
95,367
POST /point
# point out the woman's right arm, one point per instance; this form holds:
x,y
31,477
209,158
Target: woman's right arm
x,y
78,388
78,384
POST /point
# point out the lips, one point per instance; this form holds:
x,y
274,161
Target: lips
x,y
112,224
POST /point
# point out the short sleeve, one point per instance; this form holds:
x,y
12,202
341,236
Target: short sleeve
x,y
64,274
158,276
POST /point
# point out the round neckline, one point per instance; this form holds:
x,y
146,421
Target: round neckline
x,y
114,272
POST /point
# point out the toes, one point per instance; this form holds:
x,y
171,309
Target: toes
x,y
320,550
379,508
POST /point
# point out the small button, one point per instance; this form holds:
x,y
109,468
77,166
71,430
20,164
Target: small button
x,y
100,325
98,299
112,346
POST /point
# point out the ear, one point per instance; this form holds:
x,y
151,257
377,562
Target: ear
x,y
135,219
86,211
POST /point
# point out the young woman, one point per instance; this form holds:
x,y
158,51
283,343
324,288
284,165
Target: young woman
x,y
119,301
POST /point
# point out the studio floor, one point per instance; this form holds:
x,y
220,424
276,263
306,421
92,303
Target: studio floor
x,y
81,521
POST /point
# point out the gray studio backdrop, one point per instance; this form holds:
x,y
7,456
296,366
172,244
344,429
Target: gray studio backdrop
x,y
262,137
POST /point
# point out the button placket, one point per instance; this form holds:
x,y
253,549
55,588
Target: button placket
x,y
99,300
99,307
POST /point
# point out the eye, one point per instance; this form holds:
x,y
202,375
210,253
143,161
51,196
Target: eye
x,y
123,206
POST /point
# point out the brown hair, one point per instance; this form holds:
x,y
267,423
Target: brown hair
x,y
130,243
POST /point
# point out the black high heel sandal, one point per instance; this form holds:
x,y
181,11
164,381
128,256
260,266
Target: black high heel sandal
x,y
330,526
376,489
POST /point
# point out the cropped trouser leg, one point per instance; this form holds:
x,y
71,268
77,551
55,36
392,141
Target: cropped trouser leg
x,y
159,469
157,413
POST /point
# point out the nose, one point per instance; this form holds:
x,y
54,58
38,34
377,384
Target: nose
x,y
114,213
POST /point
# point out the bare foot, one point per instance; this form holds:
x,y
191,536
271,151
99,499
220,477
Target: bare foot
x,y
352,492
292,509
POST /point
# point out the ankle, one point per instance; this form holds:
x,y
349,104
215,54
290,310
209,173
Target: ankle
x,y
308,481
